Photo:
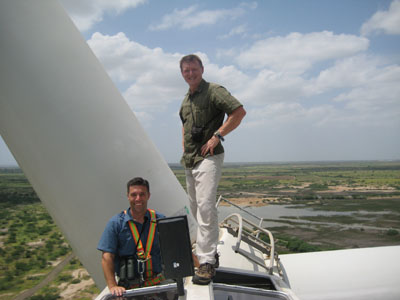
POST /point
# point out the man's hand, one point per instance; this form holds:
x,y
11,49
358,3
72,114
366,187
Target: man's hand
x,y
107,262
230,124
209,146
117,290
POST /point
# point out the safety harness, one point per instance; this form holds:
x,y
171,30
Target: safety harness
x,y
145,263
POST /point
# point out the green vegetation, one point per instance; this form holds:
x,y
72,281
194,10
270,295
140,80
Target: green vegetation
x,y
47,296
392,232
258,177
368,191
30,242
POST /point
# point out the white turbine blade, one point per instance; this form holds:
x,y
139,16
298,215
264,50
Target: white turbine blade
x,y
356,274
69,128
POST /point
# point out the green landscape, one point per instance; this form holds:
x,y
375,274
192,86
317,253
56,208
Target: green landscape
x,y
31,246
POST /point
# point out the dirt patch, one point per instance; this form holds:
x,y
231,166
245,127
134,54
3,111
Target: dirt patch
x,y
380,197
293,188
38,243
56,262
70,291
273,177
256,201
370,188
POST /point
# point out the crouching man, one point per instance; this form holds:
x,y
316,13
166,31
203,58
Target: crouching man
x,y
130,243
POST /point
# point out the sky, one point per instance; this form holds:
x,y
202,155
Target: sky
x,y
319,79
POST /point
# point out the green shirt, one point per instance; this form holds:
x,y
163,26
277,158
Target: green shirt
x,y
204,108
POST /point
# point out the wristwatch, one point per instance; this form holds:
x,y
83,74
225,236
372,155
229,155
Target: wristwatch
x,y
218,135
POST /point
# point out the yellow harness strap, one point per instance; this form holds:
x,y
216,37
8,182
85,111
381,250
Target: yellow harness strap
x,y
144,254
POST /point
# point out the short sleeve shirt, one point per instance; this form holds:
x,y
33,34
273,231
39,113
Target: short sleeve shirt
x,y
204,108
117,239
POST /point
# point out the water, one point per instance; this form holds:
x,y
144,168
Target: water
x,y
276,212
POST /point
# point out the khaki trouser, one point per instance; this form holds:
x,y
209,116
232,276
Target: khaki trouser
x,y
202,183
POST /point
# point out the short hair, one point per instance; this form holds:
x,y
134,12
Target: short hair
x,y
190,58
138,181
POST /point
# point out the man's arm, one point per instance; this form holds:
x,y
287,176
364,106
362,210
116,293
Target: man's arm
x,y
107,262
231,123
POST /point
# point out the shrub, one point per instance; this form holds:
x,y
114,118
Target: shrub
x,y
65,277
75,281
392,232
297,245
21,266
44,229
45,297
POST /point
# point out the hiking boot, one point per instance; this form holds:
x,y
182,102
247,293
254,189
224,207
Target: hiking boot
x,y
204,274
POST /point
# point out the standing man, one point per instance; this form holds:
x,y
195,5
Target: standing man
x,y
130,243
202,113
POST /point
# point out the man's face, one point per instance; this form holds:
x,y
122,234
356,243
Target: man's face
x,y
192,72
138,196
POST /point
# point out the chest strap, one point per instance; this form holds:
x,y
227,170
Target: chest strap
x,y
149,281
144,254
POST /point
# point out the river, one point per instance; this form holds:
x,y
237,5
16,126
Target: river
x,y
292,214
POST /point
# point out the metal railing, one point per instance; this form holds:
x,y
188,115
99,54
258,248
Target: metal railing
x,y
261,220
269,249
252,232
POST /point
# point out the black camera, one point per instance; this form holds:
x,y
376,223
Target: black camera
x,y
197,134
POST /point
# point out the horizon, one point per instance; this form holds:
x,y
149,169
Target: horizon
x,y
228,163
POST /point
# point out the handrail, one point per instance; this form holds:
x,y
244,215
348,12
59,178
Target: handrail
x,y
240,227
242,209
149,290
237,206
239,238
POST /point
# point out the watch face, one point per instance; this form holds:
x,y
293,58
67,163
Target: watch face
x,y
218,135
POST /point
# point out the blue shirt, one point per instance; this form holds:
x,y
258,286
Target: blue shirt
x,y
117,239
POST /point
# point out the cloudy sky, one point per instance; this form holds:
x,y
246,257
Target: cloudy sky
x,y
319,79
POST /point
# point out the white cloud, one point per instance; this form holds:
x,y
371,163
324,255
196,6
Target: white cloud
x,y
352,90
348,72
290,115
192,16
387,22
153,75
229,76
125,60
240,30
376,101
364,85
89,12
355,92
297,52
268,87
369,99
